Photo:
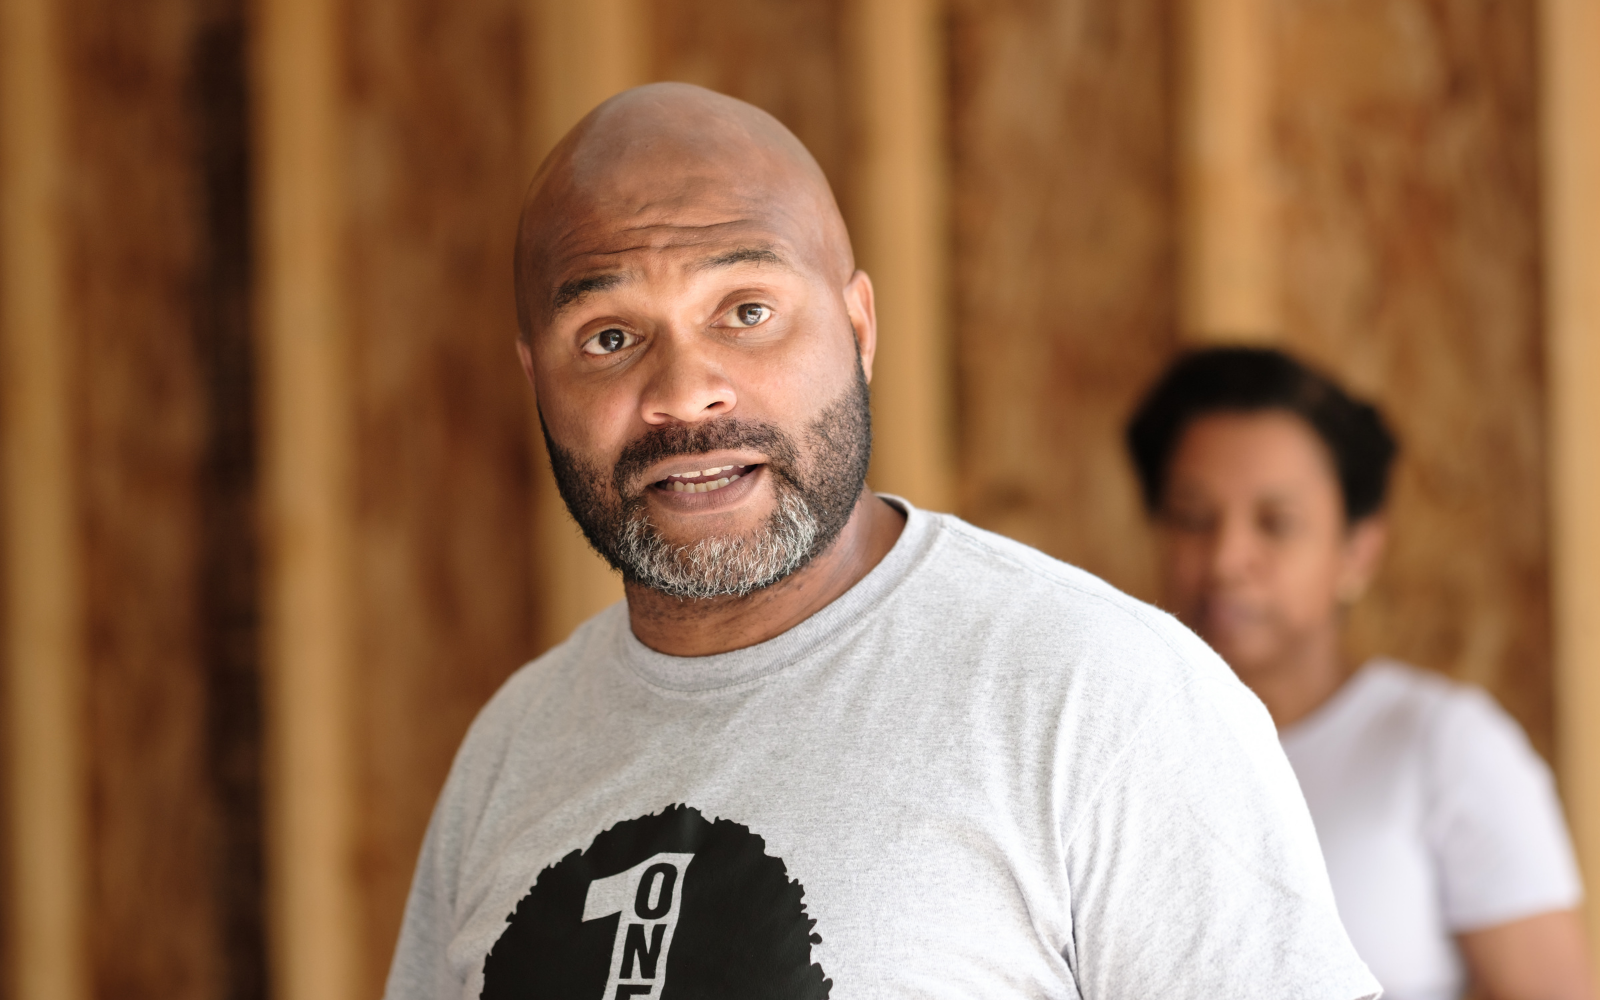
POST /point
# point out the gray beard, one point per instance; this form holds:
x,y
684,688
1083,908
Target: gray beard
x,y
810,510
720,566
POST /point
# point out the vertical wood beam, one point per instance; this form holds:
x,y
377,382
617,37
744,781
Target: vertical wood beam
x,y
902,238
1570,54
1229,284
582,53
307,426
43,614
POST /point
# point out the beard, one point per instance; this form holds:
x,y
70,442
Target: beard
x,y
813,502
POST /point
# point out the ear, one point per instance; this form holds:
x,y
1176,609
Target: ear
x,y
858,302
525,353
1363,552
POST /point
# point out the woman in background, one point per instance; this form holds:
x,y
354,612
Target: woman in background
x,y
1440,825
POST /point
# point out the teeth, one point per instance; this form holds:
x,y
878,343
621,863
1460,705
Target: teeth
x,y
680,487
706,472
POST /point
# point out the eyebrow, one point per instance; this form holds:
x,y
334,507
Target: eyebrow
x,y
742,255
577,288
570,292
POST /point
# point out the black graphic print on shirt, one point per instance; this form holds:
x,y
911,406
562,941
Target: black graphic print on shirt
x,y
670,907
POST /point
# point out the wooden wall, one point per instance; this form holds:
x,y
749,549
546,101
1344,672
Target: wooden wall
x,y
152,255
433,177
786,56
204,199
1063,274
1406,144
1402,159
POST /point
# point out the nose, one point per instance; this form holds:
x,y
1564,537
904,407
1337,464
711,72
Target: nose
x,y
1233,548
687,386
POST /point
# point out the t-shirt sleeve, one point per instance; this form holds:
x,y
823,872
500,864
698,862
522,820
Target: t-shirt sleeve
x,y
1196,871
420,969
1494,821
423,967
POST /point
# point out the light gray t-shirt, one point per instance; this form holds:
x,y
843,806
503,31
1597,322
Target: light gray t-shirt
x,y
979,773
1436,817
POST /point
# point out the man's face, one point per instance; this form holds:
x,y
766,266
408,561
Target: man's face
x,y
702,389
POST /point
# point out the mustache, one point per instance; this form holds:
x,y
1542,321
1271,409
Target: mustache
x,y
672,440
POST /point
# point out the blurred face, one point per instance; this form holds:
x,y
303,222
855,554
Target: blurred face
x,y
1256,555
704,399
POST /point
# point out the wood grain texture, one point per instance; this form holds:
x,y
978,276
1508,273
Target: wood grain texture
x,y
902,239
436,170
1228,282
1228,285
219,109
1063,273
307,499
134,225
1406,143
1570,122
786,57
46,826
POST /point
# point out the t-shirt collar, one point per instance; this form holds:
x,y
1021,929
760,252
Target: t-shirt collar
x,y
741,666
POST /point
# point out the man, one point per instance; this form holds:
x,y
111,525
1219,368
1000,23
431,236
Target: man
x,y
830,741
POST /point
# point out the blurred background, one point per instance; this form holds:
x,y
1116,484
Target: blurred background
x,y
276,517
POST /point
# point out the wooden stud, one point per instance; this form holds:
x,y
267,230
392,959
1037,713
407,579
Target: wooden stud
x,y
44,659
1229,287
1570,50
307,428
901,236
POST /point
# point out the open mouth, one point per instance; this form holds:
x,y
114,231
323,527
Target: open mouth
x,y
704,480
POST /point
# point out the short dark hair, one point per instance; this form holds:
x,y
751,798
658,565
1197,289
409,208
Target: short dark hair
x,y
1251,379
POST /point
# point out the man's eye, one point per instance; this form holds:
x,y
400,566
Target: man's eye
x,y
751,314
608,341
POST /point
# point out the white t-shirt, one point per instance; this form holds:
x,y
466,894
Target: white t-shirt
x,y
1435,817
978,773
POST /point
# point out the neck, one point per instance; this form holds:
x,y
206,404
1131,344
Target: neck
x,y
1303,680
700,628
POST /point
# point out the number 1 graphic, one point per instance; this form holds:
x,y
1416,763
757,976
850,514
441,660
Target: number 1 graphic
x,y
648,896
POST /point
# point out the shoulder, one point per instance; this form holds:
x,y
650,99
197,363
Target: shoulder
x,y
1059,642
1470,748
1452,718
545,682
1006,581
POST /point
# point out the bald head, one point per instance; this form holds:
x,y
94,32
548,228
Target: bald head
x,y
671,166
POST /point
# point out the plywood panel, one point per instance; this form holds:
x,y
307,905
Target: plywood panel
x,y
786,57
1064,233
1406,145
435,173
218,106
141,445
157,252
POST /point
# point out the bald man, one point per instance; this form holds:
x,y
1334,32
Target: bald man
x,y
830,744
